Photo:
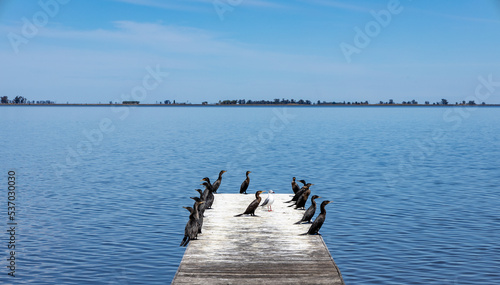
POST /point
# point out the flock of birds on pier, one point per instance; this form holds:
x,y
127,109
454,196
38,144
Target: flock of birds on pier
x,y
207,197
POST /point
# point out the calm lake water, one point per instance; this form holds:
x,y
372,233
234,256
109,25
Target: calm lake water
x,y
100,191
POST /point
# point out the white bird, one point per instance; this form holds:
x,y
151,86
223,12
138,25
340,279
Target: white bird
x,y
269,201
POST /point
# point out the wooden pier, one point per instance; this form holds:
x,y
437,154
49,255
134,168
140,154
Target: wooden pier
x,y
267,249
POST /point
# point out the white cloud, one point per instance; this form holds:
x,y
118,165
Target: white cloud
x,y
168,5
339,5
457,17
188,42
104,62
199,5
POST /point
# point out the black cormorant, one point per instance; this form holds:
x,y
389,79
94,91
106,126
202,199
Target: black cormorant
x,y
206,179
208,196
244,185
216,184
320,219
295,186
251,208
310,211
199,199
301,202
201,193
298,194
210,199
191,229
201,210
202,198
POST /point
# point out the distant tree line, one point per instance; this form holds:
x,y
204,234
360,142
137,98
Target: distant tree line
x,y
264,102
17,100
283,101
308,102
22,100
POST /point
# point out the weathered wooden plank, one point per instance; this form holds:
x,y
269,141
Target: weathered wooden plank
x,y
256,250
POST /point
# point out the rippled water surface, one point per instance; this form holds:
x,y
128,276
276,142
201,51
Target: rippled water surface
x,y
416,190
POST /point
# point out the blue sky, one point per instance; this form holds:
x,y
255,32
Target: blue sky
x,y
96,51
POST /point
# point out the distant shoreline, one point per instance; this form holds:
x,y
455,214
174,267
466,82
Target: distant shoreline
x,y
247,105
